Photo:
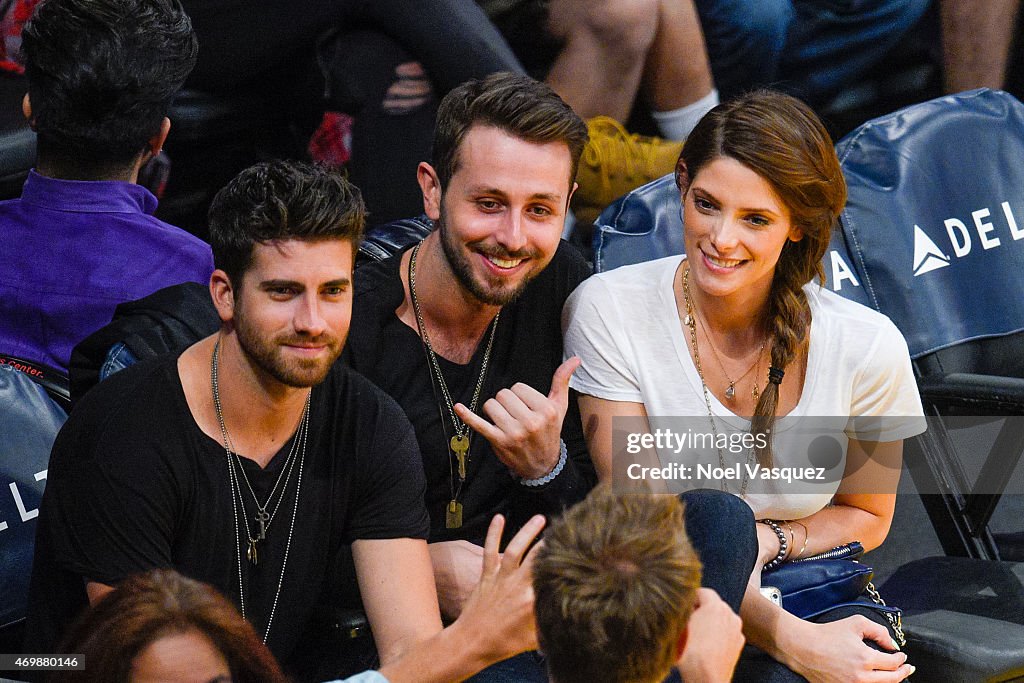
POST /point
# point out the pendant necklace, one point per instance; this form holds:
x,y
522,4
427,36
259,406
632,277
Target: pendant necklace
x,y
262,518
458,445
730,391
690,323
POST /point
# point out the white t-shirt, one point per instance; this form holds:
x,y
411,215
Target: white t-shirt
x,y
625,326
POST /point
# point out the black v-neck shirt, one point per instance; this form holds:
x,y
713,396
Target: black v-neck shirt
x,y
134,484
527,348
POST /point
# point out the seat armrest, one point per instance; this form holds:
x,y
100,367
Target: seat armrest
x,y
992,394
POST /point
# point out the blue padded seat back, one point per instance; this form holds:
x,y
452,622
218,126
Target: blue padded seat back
x,y
29,422
642,225
935,218
647,224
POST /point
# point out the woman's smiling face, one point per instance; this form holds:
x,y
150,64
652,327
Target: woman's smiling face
x,y
735,226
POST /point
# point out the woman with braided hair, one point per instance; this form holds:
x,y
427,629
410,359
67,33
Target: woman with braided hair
x,y
738,327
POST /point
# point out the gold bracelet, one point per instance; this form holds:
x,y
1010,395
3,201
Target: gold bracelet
x,y
806,536
792,538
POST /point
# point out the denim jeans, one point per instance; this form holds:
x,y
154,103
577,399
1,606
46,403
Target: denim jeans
x,y
812,48
721,529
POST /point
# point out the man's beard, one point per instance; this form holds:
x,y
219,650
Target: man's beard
x,y
459,263
269,356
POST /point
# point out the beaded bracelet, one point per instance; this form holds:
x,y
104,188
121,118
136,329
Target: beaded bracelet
x,y
783,544
563,455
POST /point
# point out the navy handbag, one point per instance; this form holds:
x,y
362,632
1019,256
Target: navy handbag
x,y
832,579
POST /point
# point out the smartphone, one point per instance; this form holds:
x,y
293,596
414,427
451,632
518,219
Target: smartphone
x,y
773,594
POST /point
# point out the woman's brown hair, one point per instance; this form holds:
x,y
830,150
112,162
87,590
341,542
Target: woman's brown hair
x,y
147,607
783,141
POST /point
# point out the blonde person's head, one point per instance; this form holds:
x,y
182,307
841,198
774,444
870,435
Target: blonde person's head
x,y
615,583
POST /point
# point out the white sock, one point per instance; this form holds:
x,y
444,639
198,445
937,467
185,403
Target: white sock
x,y
677,124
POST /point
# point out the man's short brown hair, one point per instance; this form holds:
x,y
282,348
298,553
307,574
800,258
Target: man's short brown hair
x,y
615,583
516,104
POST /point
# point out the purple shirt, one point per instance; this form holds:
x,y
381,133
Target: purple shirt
x,y
72,251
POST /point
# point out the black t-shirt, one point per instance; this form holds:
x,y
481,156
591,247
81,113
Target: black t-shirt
x,y
133,484
527,348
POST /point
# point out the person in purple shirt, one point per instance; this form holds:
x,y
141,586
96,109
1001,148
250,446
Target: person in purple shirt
x,y
82,238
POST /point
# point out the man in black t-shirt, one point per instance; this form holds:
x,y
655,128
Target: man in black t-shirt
x,y
464,331
248,459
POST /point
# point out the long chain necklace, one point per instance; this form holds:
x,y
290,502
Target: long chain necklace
x,y
691,324
238,501
263,519
458,445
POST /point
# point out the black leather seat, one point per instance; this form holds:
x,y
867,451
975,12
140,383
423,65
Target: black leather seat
x,y
212,138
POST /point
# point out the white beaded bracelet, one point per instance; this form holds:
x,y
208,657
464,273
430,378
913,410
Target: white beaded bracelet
x,y
563,455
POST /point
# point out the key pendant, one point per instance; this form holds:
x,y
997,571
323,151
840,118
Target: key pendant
x,y
460,446
453,515
262,517
251,553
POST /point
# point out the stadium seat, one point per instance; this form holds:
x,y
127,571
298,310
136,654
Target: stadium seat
x,y
31,418
935,214
936,190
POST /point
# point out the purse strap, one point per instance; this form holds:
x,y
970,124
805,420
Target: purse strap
x,y
895,620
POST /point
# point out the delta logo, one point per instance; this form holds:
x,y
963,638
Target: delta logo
x,y
24,512
929,256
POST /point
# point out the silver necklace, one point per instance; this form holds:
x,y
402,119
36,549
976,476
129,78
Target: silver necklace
x,y
689,322
237,500
262,517
459,443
